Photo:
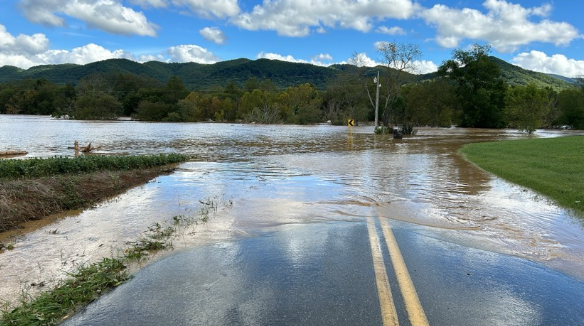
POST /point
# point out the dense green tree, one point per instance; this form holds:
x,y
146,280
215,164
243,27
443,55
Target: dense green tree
x,y
479,87
251,84
432,103
174,91
305,102
97,106
64,104
527,107
126,88
344,99
258,106
95,100
154,111
571,106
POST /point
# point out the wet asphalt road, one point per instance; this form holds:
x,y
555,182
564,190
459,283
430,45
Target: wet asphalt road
x,y
322,274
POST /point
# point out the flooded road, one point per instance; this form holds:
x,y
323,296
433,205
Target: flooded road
x,y
263,177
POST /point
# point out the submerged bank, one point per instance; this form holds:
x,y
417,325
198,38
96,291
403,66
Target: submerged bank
x,y
36,188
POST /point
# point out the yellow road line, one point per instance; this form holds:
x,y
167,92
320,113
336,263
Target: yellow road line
x,y
388,312
413,305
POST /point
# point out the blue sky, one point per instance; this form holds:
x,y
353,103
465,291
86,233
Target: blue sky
x,y
544,36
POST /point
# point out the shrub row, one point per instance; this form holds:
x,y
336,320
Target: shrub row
x,y
44,167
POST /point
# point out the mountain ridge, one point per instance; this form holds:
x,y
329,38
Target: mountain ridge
x,y
283,74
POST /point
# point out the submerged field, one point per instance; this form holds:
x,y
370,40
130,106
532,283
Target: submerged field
x,y
553,167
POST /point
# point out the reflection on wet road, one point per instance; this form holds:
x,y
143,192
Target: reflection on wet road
x,y
322,274
279,176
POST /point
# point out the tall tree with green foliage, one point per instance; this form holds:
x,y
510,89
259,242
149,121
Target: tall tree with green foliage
x,y
305,102
526,107
431,103
571,106
95,100
344,99
479,87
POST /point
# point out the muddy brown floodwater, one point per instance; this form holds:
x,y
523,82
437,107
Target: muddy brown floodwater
x,y
263,176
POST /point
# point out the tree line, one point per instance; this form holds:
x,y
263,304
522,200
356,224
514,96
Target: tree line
x,y
467,91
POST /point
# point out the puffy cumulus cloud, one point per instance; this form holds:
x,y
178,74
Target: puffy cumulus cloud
x,y
17,60
391,30
83,55
191,53
424,67
80,55
298,17
210,9
32,44
362,60
213,34
557,64
506,26
107,15
318,60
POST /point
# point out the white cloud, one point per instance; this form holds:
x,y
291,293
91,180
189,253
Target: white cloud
x,y
506,26
298,17
107,15
26,51
17,60
391,30
210,9
317,60
424,67
150,57
557,64
150,3
36,43
82,55
322,57
275,56
191,53
213,34
362,60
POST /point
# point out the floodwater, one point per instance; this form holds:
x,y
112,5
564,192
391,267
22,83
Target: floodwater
x,y
262,176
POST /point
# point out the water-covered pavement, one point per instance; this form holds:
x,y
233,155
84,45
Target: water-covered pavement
x,y
322,274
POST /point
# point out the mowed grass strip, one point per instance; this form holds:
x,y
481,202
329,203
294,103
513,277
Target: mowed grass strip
x,y
553,167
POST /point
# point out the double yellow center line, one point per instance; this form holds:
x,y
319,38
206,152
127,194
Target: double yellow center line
x,y
388,312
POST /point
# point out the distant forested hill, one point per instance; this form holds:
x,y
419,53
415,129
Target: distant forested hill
x,y
515,75
194,75
205,76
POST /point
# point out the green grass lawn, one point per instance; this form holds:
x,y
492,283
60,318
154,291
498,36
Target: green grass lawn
x,y
553,167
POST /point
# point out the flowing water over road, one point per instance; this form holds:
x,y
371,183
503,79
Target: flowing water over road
x,y
263,176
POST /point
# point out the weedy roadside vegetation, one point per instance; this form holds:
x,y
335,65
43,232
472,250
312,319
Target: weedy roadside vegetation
x,y
551,166
89,282
46,167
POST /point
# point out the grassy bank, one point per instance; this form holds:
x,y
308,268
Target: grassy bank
x,y
35,188
553,167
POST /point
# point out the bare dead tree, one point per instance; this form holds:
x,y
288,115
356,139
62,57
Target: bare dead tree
x,y
398,59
